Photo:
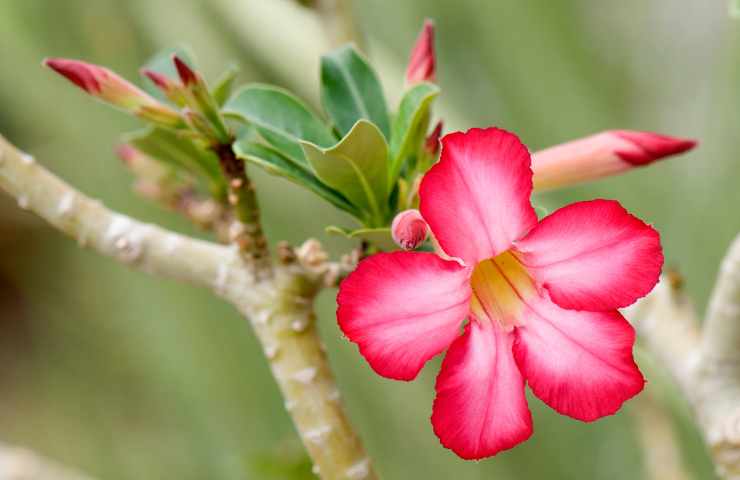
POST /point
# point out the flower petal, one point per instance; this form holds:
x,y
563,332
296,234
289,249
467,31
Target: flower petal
x,y
593,256
403,308
476,199
480,407
579,363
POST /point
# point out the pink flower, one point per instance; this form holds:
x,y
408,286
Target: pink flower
x,y
601,155
421,66
540,297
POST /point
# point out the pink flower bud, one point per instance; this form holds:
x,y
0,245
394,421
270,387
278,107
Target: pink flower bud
x,y
421,66
186,74
604,154
111,88
127,153
409,230
169,87
431,144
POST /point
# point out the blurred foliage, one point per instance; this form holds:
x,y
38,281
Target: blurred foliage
x,y
129,377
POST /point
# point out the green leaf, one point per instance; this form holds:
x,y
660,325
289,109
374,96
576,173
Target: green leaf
x,y
222,90
380,237
410,124
281,118
350,90
357,167
182,153
276,163
161,62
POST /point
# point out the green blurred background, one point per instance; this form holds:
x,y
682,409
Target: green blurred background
x,y
130,377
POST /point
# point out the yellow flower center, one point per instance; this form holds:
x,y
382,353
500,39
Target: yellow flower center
x,y
501,287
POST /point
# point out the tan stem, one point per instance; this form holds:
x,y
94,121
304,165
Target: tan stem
x,y
660,447
279,306
285,324
703,364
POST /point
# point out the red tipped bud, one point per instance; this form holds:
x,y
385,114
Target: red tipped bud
x,y
431,144
409,230
421,66
147,169
187,75
604,154
169,87
111,88
198,97
646,147
127,153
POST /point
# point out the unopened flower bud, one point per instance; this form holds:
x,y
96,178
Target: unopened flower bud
x,y
431,144
604,154
187,75
169,87
111,88
421,66
198,97
409,229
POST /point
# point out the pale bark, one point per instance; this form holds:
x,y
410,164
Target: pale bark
x,y
279,306
704,363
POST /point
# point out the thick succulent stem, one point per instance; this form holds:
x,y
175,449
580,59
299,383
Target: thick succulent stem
x,y
279,306
703,364
285,324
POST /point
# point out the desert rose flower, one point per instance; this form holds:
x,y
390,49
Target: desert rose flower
x,y
421,67
604,154
111,88
538,299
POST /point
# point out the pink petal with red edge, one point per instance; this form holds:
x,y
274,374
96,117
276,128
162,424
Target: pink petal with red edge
x,y
579,363
476,199
593,256
402,309
480,407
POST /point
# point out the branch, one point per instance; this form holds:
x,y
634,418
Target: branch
x,y
719,397
706,364
141,246
22,464
280,306
666,324
246,232
660,445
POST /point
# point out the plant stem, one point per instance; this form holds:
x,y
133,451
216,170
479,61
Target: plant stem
x,y
247,233
285,325
279,306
